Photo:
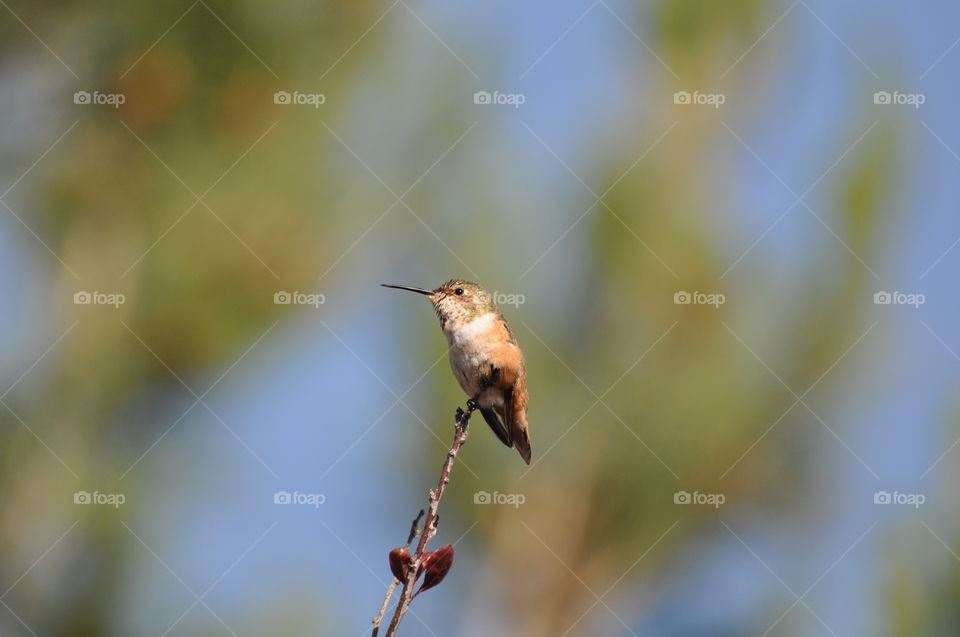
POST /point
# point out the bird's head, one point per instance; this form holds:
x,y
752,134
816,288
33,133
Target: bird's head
x,y
456,301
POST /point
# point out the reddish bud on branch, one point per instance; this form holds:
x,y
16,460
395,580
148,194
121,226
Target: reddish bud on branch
x,y
435,566
400,561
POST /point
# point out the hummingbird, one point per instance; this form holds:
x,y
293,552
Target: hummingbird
x,y
484,356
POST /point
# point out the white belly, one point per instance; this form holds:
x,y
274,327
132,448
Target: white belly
x,y
469,356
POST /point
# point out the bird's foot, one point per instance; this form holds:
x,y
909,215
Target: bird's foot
x,y
472,404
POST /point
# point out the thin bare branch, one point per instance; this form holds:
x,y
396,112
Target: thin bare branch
x,y
429,528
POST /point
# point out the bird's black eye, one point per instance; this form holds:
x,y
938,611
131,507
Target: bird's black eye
x,y
458,291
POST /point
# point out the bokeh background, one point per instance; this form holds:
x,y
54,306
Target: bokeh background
x,y
799,401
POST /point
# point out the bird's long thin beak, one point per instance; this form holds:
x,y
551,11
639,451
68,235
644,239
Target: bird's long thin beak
x,y
407,287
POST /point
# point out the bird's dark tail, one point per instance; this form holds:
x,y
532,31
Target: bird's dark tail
x,y
496,424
